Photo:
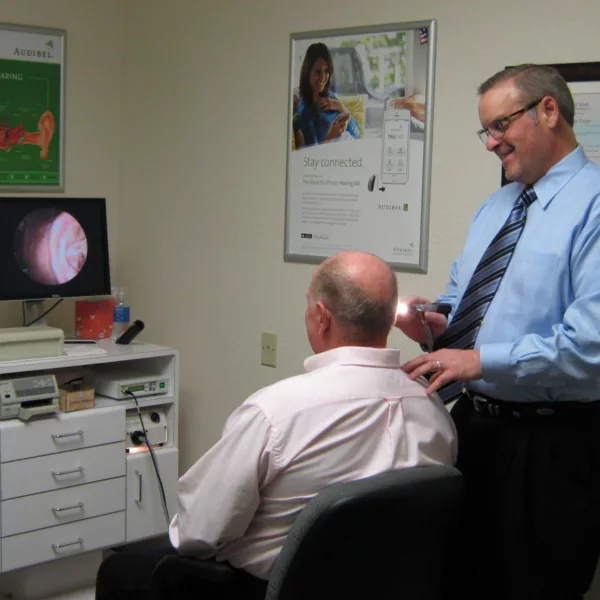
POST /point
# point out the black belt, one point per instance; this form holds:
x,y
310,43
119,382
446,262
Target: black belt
x,y
492,407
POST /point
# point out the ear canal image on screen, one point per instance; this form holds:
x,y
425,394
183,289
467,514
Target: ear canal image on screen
x,y
50,246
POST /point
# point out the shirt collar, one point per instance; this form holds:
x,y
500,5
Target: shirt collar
x,y
559,175
386,358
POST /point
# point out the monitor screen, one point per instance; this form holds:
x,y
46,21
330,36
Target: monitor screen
x,y
53,248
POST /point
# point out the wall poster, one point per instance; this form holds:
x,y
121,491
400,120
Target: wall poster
x,y
360,119
584,83
31,109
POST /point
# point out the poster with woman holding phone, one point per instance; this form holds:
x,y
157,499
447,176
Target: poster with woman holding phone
x,y
358,141
321,116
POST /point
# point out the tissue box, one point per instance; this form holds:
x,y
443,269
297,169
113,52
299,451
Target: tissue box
x,y
94,319
75,398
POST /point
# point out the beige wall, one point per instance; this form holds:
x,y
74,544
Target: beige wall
x,y
203,178
94,62
176,112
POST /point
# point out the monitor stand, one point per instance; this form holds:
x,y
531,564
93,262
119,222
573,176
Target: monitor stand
x,y
33,309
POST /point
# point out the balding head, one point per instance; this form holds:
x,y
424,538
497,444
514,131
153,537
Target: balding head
x,y
360,294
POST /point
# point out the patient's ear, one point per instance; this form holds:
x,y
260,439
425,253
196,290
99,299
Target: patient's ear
x,y
324,318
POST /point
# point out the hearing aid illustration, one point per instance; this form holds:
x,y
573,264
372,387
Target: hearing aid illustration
x,y
372,181
372,184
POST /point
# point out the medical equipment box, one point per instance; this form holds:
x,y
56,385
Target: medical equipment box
x,y
37,341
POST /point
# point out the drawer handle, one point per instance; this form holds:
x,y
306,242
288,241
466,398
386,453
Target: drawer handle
x,y
62,508
59,546
139,498
59,436
60,473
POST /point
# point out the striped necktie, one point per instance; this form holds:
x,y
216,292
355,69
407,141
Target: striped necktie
x,y
468,318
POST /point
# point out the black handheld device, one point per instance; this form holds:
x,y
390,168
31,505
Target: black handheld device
x,y
437,307
130,333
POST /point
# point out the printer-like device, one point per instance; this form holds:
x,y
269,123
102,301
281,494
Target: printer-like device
x,y
26,397
122,381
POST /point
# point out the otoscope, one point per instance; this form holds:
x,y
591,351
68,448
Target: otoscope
x,y
437,307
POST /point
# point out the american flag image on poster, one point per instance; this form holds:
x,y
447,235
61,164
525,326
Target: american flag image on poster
x,y
423,35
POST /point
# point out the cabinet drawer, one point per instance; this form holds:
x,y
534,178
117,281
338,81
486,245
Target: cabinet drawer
x,y
46,473
67,431
61,541
62,506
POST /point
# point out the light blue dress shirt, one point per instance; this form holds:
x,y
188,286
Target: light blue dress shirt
x,y
540,338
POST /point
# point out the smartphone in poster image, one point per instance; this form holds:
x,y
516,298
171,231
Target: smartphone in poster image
x,y
394,153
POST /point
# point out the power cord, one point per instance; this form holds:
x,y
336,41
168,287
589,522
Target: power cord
x,y
153,456
41,316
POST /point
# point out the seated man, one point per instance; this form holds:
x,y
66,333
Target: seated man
x,y
354,413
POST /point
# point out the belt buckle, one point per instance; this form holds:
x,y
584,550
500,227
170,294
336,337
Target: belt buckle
x,y
484,407
545,412
479,402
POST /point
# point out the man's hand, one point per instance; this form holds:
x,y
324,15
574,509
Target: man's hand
x,y
417,109
411,325
446,365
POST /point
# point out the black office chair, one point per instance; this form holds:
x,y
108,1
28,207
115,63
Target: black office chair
x,y
381,537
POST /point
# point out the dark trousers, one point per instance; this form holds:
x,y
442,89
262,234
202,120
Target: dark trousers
x,y
530,528
127,575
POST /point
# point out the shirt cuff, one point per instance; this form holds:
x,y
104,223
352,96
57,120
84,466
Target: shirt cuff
x,y
495,360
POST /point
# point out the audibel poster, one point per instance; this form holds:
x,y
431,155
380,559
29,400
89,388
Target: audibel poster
x,y
359,143
31,109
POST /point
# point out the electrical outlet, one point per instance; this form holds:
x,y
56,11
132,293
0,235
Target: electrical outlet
x,y
268,349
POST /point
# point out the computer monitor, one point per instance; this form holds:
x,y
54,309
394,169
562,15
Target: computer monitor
x,y
53,248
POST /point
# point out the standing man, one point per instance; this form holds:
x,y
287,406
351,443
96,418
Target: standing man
x,y
522,352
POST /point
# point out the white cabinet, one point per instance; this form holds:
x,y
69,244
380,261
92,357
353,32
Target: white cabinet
x,y
38,511
68,431
73,482
145,514
55,471
62,541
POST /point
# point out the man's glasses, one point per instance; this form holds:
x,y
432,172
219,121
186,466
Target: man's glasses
x,y
498,128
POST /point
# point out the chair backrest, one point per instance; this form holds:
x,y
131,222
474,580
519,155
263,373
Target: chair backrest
x,y
384,536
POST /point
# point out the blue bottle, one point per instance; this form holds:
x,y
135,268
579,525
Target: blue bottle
x,y
120,315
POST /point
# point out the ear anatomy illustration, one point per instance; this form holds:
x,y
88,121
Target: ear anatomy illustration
x,y
17,135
